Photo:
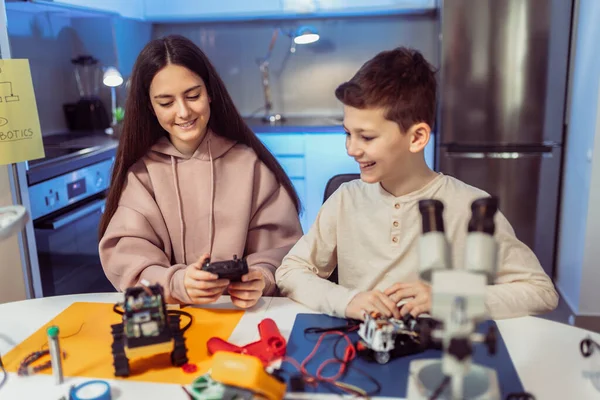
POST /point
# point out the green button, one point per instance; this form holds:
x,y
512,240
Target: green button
x,y
53,331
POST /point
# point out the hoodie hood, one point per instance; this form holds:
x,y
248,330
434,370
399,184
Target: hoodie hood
x,y
163,149
212,147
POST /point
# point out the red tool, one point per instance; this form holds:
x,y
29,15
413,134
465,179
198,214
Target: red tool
x,y
270,347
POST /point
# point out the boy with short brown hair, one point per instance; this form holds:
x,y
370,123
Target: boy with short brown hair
x,y
370,227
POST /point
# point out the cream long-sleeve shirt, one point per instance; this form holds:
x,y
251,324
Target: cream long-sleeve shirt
x,y
373,238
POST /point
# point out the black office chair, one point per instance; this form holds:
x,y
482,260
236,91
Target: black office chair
x,y
336,181
333,184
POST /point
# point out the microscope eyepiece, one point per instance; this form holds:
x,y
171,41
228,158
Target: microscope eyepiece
x,y
482,215
431,215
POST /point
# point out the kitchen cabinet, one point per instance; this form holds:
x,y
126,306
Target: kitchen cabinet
x,y
186,10
325,157
167,11
351,7
311,159
83,8
289,150
128,9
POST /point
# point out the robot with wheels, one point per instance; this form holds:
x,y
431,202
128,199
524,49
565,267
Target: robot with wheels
x,y
458,302
382,338
146,329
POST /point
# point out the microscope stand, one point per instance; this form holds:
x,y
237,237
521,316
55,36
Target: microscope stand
x,y
425,376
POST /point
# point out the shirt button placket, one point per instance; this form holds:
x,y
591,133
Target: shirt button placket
x,y
395,225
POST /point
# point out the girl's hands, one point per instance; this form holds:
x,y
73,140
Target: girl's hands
x,y
203,287
246,293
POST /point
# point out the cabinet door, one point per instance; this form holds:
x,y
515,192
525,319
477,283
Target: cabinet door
x,y
325,157
356,6
173,10
128,9
289,150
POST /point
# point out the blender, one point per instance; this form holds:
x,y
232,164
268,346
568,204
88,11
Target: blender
x,y
88,113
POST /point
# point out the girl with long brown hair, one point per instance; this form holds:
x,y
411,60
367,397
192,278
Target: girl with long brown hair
x,y
192,181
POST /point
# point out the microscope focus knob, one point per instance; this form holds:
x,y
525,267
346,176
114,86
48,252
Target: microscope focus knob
x,y
425,333
490,340
587,347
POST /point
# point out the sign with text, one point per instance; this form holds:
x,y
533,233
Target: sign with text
x,y
20,132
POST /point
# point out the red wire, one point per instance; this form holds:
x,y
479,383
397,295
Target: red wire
x,y
349,355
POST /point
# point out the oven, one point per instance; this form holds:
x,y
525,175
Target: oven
x,y
67,193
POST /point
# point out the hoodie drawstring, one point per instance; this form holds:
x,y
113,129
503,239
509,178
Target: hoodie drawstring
x,y
181,222
211,216
212,201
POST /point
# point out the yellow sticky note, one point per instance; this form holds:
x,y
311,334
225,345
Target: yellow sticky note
x,y
20,132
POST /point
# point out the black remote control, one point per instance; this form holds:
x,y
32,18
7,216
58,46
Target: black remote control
x,y
230,269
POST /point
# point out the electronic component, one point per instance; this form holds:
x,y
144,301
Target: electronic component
x,y
236,376
246,372
26,366
204,388
147,329
233,270
55,353
384,338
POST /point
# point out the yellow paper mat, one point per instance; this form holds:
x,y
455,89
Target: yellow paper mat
x,y
85,335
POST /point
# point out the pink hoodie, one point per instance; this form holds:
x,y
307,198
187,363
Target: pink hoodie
x,y
223,201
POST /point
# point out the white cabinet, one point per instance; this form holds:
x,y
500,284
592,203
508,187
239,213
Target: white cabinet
x,y
165,11
194,10
325,157
187,10
133,9
125,8
356,6
311,159
289,150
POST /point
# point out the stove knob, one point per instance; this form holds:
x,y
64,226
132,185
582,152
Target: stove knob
x,y
50,201
99,180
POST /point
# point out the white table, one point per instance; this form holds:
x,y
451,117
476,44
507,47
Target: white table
x,y
545,353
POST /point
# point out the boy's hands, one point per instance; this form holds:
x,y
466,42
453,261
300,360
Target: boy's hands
x,y
372,301
203,287
246,293
419,291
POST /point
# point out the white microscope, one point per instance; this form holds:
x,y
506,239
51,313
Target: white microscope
x,y
458,302
12,220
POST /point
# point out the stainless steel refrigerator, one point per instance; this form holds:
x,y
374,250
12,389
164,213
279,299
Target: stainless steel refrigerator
x,y
503,84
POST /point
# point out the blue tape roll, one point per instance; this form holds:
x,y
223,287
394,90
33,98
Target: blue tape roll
x,y
91,390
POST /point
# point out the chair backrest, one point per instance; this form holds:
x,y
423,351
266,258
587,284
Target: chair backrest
x,y
333,184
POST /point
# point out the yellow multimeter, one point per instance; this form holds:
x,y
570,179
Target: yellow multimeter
x,y
246,372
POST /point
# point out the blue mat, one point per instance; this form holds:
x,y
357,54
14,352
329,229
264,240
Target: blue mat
x,y
393,376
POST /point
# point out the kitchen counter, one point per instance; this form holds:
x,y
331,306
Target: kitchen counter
x,y
300,125
70,151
